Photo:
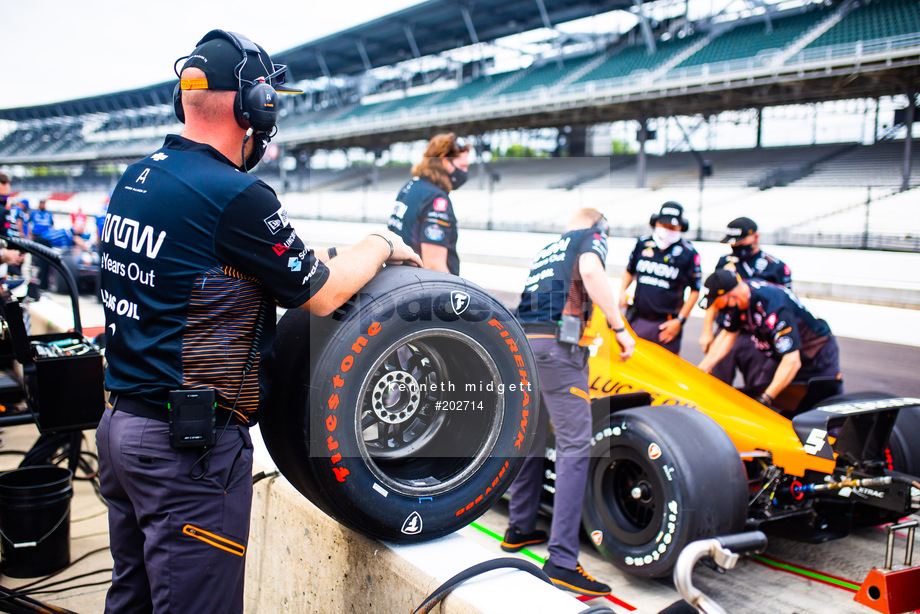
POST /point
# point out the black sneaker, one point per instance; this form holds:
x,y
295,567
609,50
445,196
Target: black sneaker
x,y
575,580
515,541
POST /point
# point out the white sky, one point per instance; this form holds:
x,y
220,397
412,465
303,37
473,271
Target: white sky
x,y
53,50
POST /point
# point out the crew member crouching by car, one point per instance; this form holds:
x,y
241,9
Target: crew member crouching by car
x,y
750,262
781,326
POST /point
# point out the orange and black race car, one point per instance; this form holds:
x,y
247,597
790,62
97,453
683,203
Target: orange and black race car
x,y
677,456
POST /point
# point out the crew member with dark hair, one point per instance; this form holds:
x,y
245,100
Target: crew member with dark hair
x,y
195,255
780,325
750,262
565,278
663,265
423,214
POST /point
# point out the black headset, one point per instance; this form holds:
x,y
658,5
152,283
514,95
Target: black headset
x,y
256,103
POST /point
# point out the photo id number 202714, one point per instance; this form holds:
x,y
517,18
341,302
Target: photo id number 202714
x,y
458,406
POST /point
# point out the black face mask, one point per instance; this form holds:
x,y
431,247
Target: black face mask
x,y
743,252
458,178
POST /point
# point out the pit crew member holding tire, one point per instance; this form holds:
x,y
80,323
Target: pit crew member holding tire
x,y
423,214
565,278
780,325
663,265
750,262
195,255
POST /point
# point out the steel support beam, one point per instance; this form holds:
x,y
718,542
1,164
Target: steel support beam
x,y
646,28
364,57
908,141
641,156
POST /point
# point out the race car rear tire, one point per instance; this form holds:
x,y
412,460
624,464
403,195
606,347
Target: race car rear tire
x,y
387,414
903,453
659,478
904,443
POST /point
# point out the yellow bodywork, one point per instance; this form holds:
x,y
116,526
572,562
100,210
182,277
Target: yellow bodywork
x,y
672,380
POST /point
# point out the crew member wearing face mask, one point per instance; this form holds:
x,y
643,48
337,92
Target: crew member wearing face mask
x,y
423,214
663,265
749,262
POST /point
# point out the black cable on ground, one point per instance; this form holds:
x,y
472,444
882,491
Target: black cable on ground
x,y
263,475
27,605
445,589
62,570
47,588
75,586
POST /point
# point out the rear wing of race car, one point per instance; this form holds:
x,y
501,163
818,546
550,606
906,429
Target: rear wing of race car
x,y
856,430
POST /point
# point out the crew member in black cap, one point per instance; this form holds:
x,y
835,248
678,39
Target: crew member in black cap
x,y
663,265
423,214
780,325
195,255
750,262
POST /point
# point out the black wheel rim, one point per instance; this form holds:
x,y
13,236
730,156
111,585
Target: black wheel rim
x,y
407,442
631,498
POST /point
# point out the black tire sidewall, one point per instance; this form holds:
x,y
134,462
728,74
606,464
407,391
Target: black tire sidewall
x,y
348,486
687,483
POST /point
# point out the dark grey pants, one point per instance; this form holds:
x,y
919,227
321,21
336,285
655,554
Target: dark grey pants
x,y
648,330
756,367
564,384
178,543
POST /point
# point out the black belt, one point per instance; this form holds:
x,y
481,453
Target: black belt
x,y
156,411
540,328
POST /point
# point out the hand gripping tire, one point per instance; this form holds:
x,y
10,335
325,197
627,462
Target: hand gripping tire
x,y
406,413
660,477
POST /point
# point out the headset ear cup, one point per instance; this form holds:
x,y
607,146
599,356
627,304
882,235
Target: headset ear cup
x,y
177,103
685,226
653,220
260,106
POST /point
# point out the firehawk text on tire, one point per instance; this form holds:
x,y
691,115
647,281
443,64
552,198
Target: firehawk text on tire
x,y
660,477
407,413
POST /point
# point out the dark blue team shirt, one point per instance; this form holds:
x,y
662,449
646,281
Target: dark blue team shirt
x,y
778,321
759,266
662,276
189,249
551,271
423,213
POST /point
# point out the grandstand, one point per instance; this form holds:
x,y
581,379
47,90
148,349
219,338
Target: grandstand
x,y
665,63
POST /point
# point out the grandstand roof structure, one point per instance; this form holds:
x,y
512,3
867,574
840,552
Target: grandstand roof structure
x,y
432,27
424,29
813,52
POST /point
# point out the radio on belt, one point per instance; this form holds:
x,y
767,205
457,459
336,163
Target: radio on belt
x,y
192,418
